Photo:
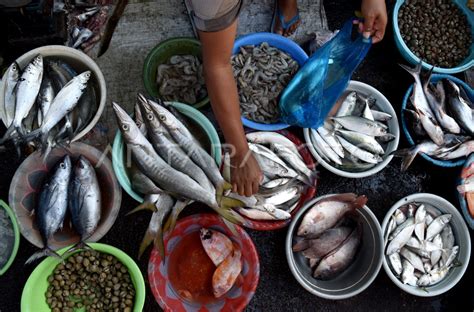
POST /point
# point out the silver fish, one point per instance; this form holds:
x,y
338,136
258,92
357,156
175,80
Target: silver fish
x,y
458,106
398,229
361,140
413,258
399,216
7,113
331,140
359,153
339,259
323,148
436,254
396,263
400,240
272,165
428,219
367,113
362,125
434,277
408,276
52,206
348,105
143,184
87,14
464,150
256,214
328,241
293,160
447,237
268,138
437,225
281,197
420,216
45,98
380,116
277,213
327,212
85,202
451,256
26,91
84,35
390,227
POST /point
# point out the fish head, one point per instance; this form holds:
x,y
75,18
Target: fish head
x,y
14,71
84,77
149,115
83,167
164,116
450,87
63,170
38,61
127,126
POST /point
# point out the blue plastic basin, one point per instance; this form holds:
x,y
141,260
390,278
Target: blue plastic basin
x,y
435,78
277,41
413,59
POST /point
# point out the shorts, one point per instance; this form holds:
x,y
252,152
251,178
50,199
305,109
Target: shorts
x,y
213,15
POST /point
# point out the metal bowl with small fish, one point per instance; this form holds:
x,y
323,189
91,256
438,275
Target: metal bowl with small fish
x,y
274,41
80,63
164,288
161,54
357,276
202,129
31,175
414,59
466,198
409,132
435,208
33,297
359,169
9,237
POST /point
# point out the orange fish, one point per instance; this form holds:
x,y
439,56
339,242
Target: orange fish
x,y
226,273
217,245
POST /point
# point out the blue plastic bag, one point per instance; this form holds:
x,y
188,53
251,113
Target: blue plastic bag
x,y
315,88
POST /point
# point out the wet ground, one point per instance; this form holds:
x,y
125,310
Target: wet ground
x,y
277,289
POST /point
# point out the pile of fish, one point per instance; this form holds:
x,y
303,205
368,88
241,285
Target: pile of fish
x,y
226,256
47,101
74,189
442,120
420,244
286,177
355,138
85,21
181,79
170,168
262,72
331,234
7,237
467,187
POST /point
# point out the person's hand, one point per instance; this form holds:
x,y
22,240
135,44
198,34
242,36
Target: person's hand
x,y
375,19
245,174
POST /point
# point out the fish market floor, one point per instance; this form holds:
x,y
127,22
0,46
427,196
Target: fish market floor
x,y
277,289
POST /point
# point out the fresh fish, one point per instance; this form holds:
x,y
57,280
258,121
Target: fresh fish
x,y
331,140
84,199
143,184
397,243
62,104
361,125
260,213
395,263
52,206
451,256
360,153
465,149
226,273
163,204
161,173
434,277
422,107
282,196
348,105
26,91
87,14
437,225
169,150
420,216
447,237
380,116
84,35
408,276
272,165
367,113
399,228
399,217
340,258
323,148
413,258
45,98
413,119
414,243
327,212
319,247
458,106
216,245
293,160
85,108
361,140
250,201
390,227
428,219
187,142
7,113
436,254
276,213
268,138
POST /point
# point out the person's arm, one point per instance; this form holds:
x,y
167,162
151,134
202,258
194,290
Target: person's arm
x,y
222,89
375,19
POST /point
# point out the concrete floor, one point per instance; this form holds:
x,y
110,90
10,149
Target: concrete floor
x,y
277,289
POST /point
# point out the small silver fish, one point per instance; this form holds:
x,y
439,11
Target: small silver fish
x,y
359,153
362,125
408,276
348,105
413,258
323,148
436,254
399,217
420,216
396,263
400,240
434,277
437,225
7,112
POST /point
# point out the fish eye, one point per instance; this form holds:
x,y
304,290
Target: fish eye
x,y
62,165
149,116
125,127
162,117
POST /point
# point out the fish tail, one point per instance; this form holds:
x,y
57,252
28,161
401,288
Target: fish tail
x,y
176,210
415,72
33,136
408,155
46,252
78,246
301,245
143,206
226,212
146,241
230,226
159,243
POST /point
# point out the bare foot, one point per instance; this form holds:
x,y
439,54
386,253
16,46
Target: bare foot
x,y
289,9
